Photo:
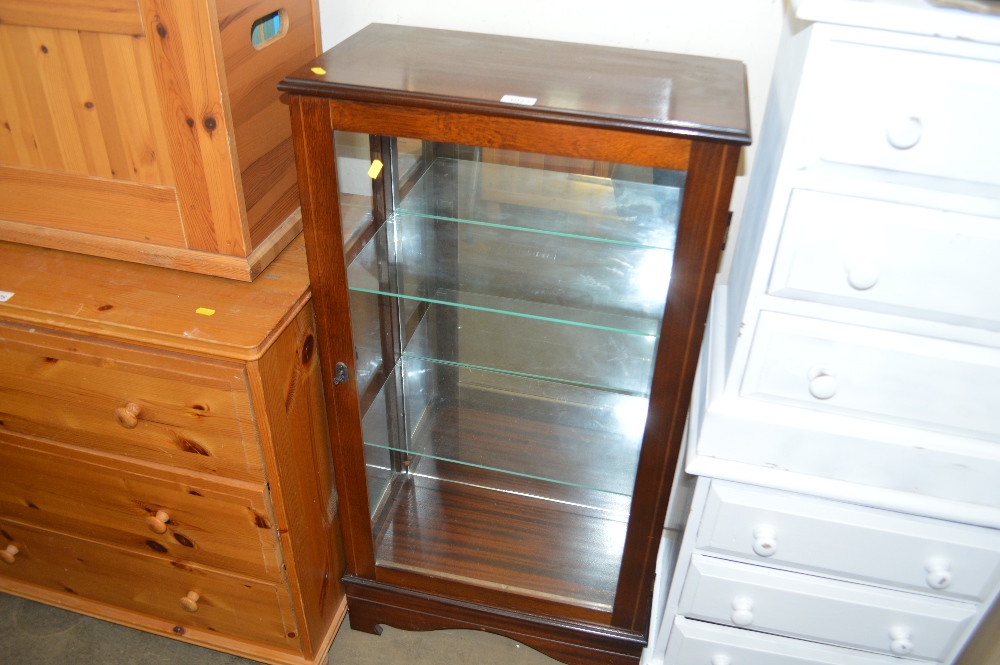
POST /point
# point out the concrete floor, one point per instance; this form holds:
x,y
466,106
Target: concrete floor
x,y
36,634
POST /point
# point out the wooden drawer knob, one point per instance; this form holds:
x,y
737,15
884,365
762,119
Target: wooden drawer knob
x,y
8,554
158,523
190,601
128,415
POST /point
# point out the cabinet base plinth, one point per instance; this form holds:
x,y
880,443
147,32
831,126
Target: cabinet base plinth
x,y
371,604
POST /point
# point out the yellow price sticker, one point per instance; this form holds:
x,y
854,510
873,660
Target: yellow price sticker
x,y
375,169
318,70
204,311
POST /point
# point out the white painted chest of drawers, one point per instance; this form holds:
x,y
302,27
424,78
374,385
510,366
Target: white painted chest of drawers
x,y
846,417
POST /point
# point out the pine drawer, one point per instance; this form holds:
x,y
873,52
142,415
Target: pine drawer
x,y
151,586
222,524
157,406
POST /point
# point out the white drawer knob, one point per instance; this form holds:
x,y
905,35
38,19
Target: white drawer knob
x,y
822,383
901,644
764,541
938,574
742,616
862,274
904,132
721,660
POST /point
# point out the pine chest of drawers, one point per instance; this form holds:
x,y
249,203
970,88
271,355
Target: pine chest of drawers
x,y
164,456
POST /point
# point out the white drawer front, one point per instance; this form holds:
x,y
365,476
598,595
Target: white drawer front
x,y
698,643
907,111
875,374
889,257
853,542
822,610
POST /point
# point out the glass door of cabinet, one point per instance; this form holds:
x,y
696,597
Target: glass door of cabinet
x,y
505,311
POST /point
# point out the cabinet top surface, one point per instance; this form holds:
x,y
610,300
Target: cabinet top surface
x,y
600,86
149,305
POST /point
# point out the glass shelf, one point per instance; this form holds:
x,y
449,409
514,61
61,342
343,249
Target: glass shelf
x,y
550,202
526,434
569,280
532,348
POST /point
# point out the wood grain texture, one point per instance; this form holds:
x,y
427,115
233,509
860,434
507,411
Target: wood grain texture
x,y
244,269
288,381
523,546
119,16
373,604
152,586
234,453
153,306
260,120
576,84
224,525
316,166
701,229
88,204
182,40
81,102
151,99
193,415
164,628
594,143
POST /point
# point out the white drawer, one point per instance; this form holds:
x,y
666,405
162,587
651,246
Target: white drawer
x,y
875,374
889,257
908,111
850,541
822,610
699,643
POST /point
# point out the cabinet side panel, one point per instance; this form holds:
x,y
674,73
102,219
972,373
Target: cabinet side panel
x,y
316,166
699,241
260,121
763,179
300,468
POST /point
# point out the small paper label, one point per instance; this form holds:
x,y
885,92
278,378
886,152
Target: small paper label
x,y
375,169
6,295
204,311
318,70
517,99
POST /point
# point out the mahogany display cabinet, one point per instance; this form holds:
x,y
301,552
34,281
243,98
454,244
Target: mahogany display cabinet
x,y
511,245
